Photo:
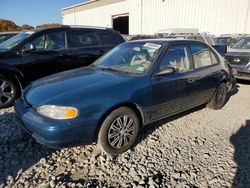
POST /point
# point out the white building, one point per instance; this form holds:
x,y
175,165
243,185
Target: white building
x,y
150,16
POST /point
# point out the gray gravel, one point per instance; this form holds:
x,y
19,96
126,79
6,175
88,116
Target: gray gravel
x,y
200,148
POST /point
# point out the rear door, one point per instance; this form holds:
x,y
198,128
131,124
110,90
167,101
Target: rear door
x,y
173,93
207,71
85,47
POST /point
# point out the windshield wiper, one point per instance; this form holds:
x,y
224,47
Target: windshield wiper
x,y
108,69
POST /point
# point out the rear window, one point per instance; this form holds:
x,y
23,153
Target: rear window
x,y
109,38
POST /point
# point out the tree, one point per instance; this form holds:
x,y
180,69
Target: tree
x,y
26,27
7,25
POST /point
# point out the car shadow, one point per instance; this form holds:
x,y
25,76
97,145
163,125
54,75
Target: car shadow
x,y
245,82
241,143
150,128
18,150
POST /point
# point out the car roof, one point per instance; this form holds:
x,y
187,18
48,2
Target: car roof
x,y
224,37
72,26
179,30
245,36
166,41
9,32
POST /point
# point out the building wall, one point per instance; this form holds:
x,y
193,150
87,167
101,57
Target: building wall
x,y
149,16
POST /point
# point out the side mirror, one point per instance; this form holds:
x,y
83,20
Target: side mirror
x,y
165,71
29,47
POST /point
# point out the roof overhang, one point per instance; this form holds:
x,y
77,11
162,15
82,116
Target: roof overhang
x,y
79,4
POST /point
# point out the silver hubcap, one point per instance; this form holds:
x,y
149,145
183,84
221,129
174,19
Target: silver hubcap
x,y
6,92
121,132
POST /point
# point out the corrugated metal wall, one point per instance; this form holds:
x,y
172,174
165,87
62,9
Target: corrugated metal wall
x,y
149,16
223,16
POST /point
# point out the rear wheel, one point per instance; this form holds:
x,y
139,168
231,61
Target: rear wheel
x,y
8,92
119,130
219,98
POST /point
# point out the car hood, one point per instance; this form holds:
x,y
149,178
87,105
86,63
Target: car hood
x,y
68,85
5,53
238,52
2,50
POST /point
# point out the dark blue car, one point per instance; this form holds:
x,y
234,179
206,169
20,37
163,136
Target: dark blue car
x,y
133,85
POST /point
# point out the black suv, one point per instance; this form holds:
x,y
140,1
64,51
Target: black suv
x,y
34,54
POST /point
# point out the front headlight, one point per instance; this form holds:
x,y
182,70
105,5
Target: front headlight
x,y
58,112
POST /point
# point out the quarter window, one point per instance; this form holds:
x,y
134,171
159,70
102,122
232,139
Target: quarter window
x,y
108,38
177,57
82,39
202,56
50,41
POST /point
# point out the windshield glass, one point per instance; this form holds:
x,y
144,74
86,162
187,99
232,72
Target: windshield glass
x,y
243,43
135,58
12,42
5,37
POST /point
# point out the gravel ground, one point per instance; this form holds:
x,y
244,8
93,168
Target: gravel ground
x,y
200,148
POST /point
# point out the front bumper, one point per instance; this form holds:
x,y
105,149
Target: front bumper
x,y
55,133
241,72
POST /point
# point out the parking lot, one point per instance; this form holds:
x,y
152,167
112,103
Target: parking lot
x,y
200,148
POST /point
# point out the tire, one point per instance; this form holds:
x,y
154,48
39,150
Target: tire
x,y
113,128
8,92
219,98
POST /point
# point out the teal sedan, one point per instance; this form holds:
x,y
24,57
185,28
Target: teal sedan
x,y
133,85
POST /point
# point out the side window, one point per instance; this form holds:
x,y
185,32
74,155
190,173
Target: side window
x,y
50,41
108,38
79,38
39,43
177,57
202,56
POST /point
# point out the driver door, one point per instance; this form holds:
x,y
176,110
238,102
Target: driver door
x,y
50,56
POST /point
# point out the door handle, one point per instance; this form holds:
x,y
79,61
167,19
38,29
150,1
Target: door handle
x,y
191,80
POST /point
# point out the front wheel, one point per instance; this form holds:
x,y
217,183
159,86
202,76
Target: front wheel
x,y
119,130
219,98
8,92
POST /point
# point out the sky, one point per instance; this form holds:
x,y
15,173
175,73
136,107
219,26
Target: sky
x,y
34,12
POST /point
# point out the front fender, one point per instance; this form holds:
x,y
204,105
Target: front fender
x,y
12,72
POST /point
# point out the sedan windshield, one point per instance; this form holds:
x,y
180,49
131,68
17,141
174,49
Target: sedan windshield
x,y
135,58
243,43
12,42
